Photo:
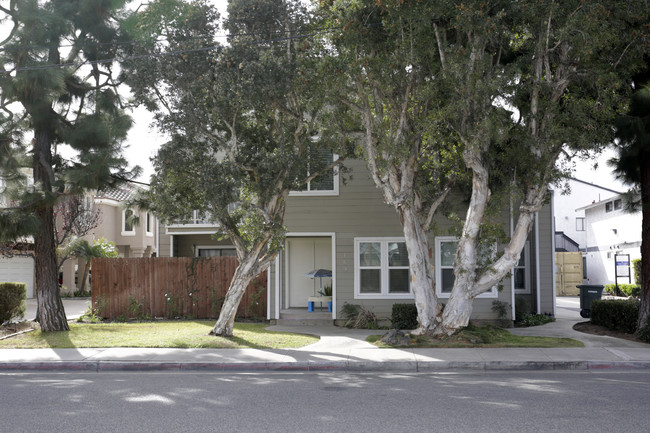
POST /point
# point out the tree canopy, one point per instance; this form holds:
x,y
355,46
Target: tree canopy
x,y
244,119
62,122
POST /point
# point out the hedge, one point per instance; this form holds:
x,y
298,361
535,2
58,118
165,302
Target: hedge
x,y
404,316
636,265
616,314
627,289
12,300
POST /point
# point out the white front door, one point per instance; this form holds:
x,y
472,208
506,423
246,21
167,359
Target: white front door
x,y
305,255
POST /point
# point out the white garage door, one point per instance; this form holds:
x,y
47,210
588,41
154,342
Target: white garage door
x,y
18,270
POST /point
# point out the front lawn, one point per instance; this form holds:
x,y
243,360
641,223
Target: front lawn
x,y
484,337
171,334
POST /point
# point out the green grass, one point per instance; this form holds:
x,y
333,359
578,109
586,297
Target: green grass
x,y
485,336
172,334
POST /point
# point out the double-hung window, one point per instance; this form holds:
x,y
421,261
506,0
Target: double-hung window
x,y
445,255
381,268
326,183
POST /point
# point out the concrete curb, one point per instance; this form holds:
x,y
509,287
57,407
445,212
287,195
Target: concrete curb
x,y
333,366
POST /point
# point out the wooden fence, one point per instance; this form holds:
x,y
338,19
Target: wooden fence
x,y
170,287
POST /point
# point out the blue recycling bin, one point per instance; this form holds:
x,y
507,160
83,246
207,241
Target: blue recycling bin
x,y
589,293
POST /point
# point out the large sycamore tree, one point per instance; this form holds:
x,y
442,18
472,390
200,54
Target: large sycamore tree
x,y
503,87
573,62
58,90
243,118
382,66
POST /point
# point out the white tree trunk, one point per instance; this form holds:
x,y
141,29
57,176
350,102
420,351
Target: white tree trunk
x,y
247,270
468,285
459,307
421,272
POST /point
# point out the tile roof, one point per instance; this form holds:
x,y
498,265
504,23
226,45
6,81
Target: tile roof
x,y
121,193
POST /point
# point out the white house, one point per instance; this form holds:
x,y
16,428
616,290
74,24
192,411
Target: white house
x,y
610,230
569,214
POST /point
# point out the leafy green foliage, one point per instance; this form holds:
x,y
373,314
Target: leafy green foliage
x,y
58,84
633,290
636,266
242,117
620,315
12,301
404,316
535,320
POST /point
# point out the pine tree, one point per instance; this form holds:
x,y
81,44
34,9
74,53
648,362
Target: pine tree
x,y
58,92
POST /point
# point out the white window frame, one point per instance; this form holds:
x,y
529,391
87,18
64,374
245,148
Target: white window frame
x,y
149,223
124,231
492,293
333,192
384,270
526,267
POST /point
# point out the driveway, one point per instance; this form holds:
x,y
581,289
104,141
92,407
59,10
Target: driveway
x,y
74,307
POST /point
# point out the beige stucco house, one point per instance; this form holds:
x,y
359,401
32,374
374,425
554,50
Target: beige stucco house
x,y
132,230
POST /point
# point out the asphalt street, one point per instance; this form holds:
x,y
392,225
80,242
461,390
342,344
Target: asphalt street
x,y
531,401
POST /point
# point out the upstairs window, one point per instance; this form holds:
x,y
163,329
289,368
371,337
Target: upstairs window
x,y
128,228
326,183
580,224
618,204
149,224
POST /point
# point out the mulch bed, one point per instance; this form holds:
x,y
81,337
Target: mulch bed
x,y
590,328
13,328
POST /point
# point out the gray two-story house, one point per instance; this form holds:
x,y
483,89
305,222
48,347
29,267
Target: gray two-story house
x,y
348,229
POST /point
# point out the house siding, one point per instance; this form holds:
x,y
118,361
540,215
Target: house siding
x,y
359,211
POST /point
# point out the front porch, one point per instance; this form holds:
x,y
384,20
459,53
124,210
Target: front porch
x,y
301,317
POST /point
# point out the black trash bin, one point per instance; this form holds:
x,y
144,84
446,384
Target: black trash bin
x,y
588,293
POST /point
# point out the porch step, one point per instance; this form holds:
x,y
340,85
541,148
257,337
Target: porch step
x,y
300,317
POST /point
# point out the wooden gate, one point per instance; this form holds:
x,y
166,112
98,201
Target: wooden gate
x,y
171,287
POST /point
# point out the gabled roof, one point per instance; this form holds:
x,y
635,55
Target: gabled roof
x,y
595,186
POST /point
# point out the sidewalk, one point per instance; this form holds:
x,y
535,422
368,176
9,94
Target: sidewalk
x,y
343,350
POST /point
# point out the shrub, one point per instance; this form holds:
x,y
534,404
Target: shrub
x,y
633,290
404,316
12,300
636,266
536,319
522,307
356,316
616,314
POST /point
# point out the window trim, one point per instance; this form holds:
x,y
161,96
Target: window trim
x,y
527,283
493,293
384,270
149,223
618,204
124,231
582,220
310,193
213,247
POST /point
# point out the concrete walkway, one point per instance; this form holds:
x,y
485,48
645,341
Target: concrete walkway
x,y
341,349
